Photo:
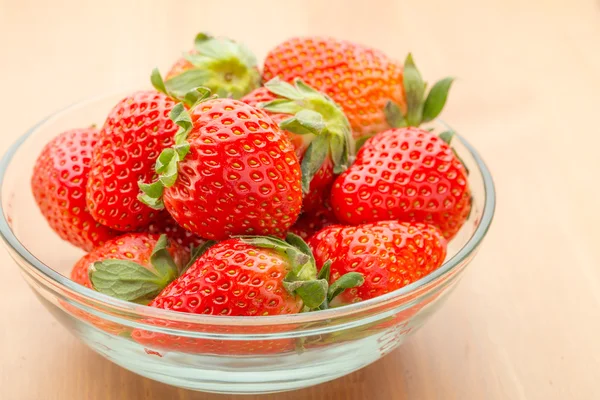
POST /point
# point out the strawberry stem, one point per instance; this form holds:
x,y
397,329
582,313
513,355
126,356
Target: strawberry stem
x,y
313,113
227,68
419,108
167,163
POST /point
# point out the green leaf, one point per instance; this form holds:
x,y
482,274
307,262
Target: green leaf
x,y
304,122
182,83
306,90
154,189
325,271
347,281
157,81
196,96
266,242
280,106
181,117
164,159
283,89
313,159
216,48
297,242
313,292
414,87
246,55
338,146
447,136
393,115
182,150
169,175
198,252
436,99
125,280
152,202
162,261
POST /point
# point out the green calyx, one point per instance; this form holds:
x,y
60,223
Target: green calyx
x,y
227,68
191,97
127,280
346,281
419,108
167,163
302,278
313,113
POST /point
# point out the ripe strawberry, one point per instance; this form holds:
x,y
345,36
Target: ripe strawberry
x,y
222,65
58,183
311,222
245,276
327,141
389,254
361,80
144,255
135,249
167,225
134,134
231,172
405,174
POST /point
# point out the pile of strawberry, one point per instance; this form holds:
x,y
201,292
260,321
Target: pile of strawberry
x,y
198,196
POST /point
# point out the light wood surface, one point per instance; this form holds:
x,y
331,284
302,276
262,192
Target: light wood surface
x,y
525,321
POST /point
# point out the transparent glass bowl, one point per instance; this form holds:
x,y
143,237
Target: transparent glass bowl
x,y
213,353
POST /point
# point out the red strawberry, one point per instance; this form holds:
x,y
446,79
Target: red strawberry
x,y
389,254
222,65
231,172
144,251
167,225
247,276
235,277
360,79
327,141
310,222
58,183
406,174
134,134
147,254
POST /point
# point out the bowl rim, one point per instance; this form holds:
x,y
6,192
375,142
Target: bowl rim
x,y
110,303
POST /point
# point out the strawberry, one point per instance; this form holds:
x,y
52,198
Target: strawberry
x,y
389,254
326,143
136,131
227,68
112,267
244,276
360,79
231,172
58,183
167,225
311,222
406,174
132,249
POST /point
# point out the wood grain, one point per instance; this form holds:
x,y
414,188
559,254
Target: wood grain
x,y
524,322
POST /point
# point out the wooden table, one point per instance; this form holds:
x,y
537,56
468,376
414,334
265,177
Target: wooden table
x,y
524,322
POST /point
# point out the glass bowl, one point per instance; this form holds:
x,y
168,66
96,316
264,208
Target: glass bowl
x,y
214,353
